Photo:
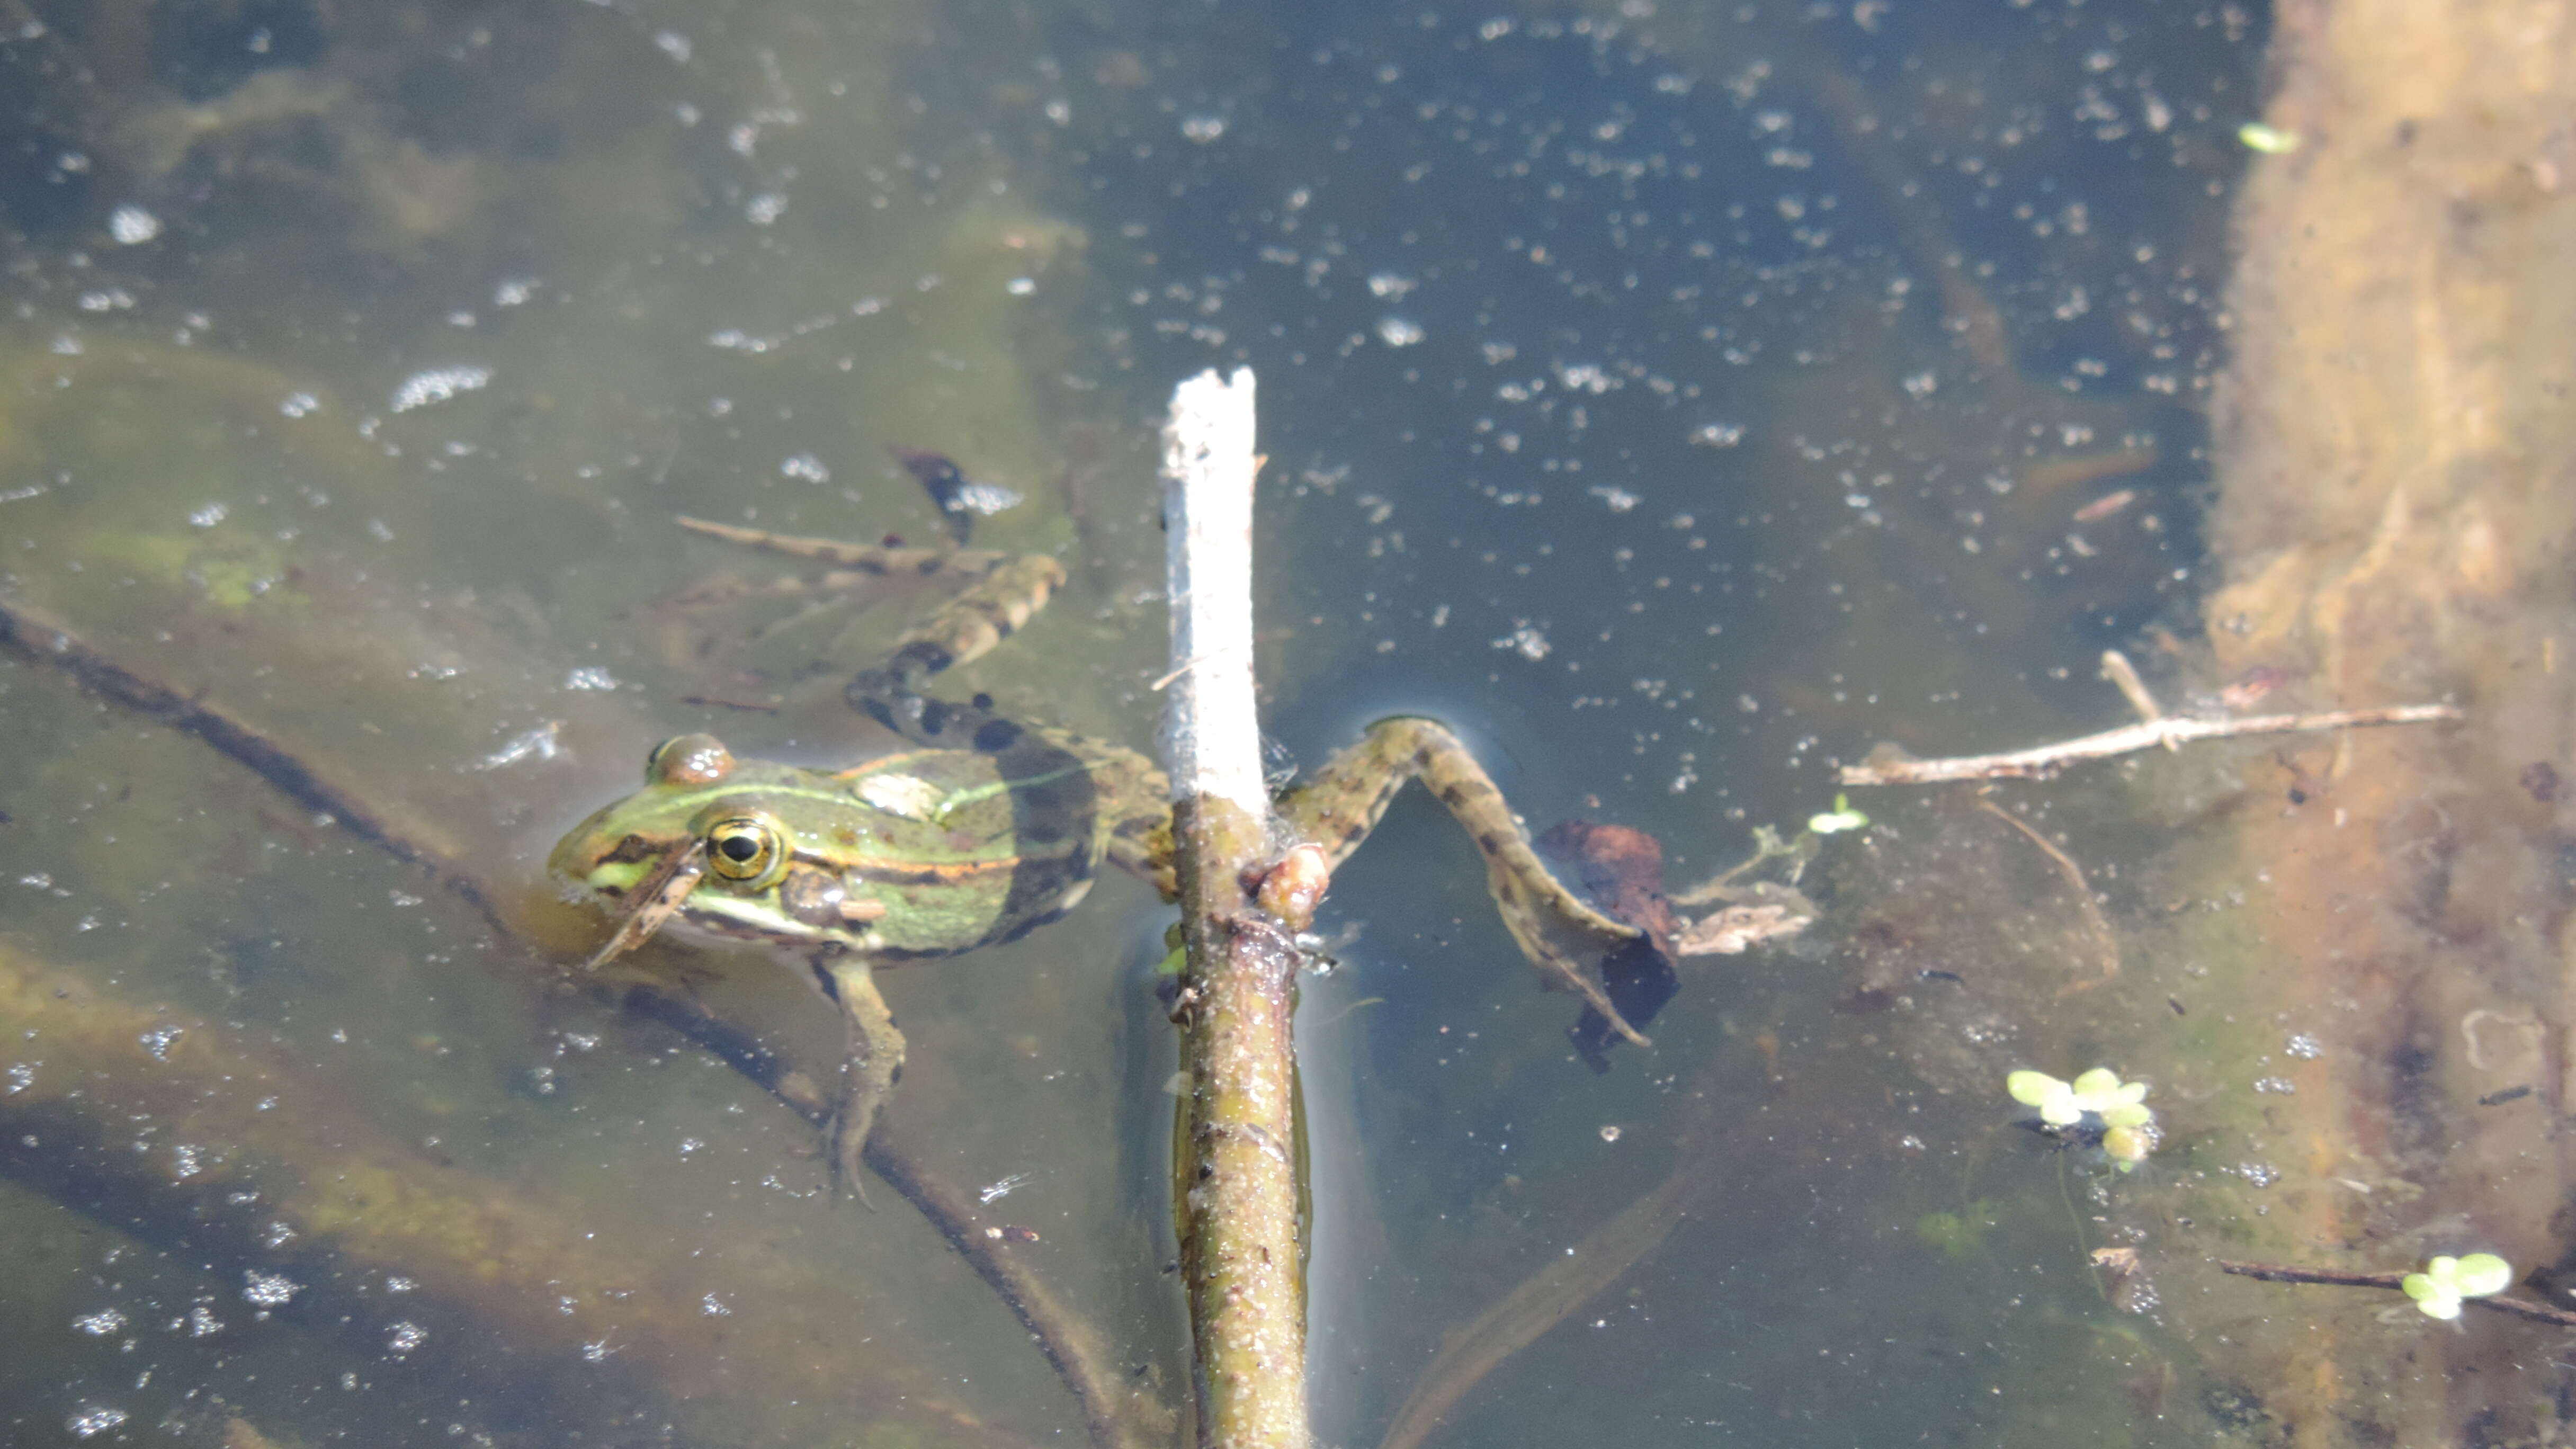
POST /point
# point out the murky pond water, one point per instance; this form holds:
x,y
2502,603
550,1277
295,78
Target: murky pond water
x,y
1674,399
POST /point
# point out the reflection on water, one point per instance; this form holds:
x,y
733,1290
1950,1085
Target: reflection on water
x,y
1673,399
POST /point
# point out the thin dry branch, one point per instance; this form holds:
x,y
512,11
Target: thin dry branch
x,y
2167,732
1240,1253
2285,1273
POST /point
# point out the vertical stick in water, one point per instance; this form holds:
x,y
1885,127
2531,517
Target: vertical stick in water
x,y
1238,1213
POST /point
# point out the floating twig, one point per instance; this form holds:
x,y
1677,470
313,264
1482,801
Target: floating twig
x,y
1240,1252
2167,732
2286,1273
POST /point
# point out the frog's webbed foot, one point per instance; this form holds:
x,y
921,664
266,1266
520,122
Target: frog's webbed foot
x,y
1563,936
875,1058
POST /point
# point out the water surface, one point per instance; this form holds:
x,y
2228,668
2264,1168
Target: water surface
x,y
1677,400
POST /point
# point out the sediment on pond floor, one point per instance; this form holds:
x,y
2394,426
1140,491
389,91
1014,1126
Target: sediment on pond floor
x,y
2396,486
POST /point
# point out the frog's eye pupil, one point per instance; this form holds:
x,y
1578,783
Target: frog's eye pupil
x,y
748,850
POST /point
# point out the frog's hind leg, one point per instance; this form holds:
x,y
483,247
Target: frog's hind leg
x,y
966,628
875,1057
1560,934
849,570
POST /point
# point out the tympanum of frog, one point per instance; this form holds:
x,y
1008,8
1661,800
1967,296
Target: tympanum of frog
x,y
986,830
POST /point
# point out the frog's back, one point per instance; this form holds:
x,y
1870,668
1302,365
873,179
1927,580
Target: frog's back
x,y
972,848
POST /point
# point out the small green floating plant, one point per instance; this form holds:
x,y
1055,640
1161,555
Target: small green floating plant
x,y
2128,1125
1839,819
2446,1280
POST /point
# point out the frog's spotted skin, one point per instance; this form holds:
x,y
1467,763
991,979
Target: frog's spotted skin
x,y
988,830
1559,933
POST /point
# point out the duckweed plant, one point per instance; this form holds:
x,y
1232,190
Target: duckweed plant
x,y
2446,1280
2095,1102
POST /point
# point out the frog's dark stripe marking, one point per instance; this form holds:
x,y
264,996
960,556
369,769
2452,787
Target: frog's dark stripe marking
x,y
923,655
633,849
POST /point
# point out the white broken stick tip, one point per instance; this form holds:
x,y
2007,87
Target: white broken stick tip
x,y
2166,732
1214,745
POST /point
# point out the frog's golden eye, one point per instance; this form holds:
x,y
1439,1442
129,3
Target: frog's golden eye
x,y
749,850
688,760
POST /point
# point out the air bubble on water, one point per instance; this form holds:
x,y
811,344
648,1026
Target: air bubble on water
x,y
1718,435
714,1307
2303,1046
132,226
438,385
1610,1132
1390,286
100,1324
1202,128
403,1337
1399,331
94,1420
299,405
269,1290
159,1040
805,467
2260,1174
673,44
541,743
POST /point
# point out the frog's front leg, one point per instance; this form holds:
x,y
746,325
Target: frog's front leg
x,y
1560,934
875,1057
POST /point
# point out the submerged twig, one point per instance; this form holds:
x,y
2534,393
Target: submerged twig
x,y
1705,1158
264,1177
2286,1273
1545,1299
2074,874
2171,730
1114,1419
1240,1251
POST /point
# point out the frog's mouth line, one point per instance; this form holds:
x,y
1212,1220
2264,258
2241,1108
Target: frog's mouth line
x,y
659,892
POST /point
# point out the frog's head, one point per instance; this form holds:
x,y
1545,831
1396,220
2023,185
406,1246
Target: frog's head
x,y
708,842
